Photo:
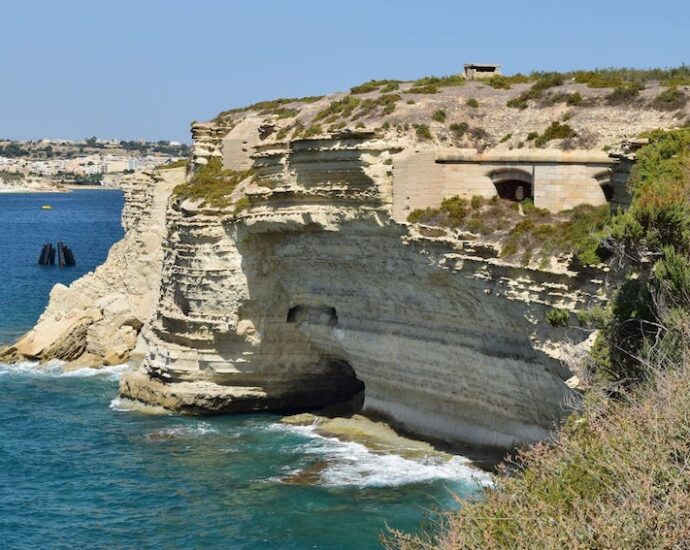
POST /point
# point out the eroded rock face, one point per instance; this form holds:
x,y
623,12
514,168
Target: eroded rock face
x,y
314,290
97,319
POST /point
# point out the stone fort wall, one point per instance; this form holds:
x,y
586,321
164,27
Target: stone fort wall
x,y
557,180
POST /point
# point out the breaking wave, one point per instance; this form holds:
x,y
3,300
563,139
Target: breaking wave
x,y
352,464
56,369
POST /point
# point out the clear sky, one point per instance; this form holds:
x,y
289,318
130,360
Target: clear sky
x,y
145,69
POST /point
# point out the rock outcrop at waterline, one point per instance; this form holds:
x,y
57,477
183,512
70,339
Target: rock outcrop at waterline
x,y
97,319
314,292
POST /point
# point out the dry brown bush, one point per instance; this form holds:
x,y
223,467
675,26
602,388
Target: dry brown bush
x,y
618,476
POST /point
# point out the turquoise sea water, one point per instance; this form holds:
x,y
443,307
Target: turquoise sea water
x,y
78,470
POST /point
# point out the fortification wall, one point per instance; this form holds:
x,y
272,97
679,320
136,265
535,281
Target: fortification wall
x,y
558,180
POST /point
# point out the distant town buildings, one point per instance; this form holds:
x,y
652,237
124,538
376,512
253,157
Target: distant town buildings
x,y
81,166
79,159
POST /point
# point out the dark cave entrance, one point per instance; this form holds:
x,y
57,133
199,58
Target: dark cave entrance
x,y
340,392
514,190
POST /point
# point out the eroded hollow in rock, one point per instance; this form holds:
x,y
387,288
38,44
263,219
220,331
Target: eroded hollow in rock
x,y
315,315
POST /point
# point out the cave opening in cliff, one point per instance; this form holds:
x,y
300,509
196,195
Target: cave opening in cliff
x,y
315,315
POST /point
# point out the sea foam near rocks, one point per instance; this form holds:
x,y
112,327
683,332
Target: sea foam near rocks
x,y
56,369
353,464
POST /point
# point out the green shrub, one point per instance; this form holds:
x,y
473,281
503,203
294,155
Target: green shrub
x,y
555,131
313,130
274,106
339,108
392,86
478,133
423,132
532,135
241,204
439,116
503,82
625,93
596,317
285,112
517,103
211,185
574,99
670,99
615,469
612,78
472,102
558,317
544,82
458,129
441,81
297,130
424,89
374,85
505,138
498,82
368,106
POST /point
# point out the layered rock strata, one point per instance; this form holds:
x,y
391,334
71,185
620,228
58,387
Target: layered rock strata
x,y
98,318
314,292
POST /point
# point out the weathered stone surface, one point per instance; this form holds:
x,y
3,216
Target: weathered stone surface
x,y
315,282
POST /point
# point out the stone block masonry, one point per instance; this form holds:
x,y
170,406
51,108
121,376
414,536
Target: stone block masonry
x,y
556,180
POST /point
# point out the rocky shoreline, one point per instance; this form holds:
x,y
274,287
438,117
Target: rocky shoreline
x,y
304,287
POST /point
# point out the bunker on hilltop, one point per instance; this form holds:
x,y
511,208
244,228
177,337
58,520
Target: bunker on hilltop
x,y
481,70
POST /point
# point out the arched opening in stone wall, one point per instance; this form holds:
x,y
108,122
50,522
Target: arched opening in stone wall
x,y
604,180
512,185
608,191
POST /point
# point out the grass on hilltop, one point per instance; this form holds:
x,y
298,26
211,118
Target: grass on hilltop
x,y
211,185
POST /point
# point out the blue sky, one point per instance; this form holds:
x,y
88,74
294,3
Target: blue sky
x,y
147,68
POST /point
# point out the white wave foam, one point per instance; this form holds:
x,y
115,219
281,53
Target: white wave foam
x,y
122,404
56,369
182,432
350,463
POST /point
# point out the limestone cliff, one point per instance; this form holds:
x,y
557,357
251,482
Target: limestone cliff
x,y
97,319
308,285
314,292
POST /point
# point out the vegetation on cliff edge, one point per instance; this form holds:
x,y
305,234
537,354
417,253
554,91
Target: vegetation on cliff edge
x,y
524,231
211,185
618,475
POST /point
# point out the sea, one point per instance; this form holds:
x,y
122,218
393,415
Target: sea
x,y
78,469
